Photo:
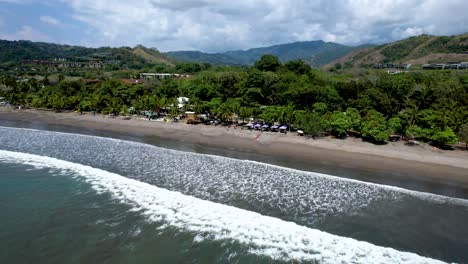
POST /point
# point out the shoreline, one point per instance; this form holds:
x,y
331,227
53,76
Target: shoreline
x,y
404,162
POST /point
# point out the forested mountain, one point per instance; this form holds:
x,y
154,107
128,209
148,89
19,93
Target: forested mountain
x,y
415,50
14,52
316,53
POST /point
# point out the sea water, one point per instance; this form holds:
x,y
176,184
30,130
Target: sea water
x,y
81,199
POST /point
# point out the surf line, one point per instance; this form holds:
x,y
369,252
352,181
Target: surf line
x,y
263,235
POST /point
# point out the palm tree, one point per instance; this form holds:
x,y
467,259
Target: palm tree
x,y
281,115
161,103
289,115
245,112
224,112
198,107
173,106
185,108
423,95
413,114
234,105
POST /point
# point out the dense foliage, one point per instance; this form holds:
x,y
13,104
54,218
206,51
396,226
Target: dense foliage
x,y
12,53
428,105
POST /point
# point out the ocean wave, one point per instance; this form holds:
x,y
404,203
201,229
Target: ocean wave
x,y
303,197
264,235
419,194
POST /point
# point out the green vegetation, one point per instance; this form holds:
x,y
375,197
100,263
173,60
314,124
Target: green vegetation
x,y
316,53
401,49
374,127
428,105
463,134
422,49
457,44
12,53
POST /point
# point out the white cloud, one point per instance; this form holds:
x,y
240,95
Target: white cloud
x,y
212,25
12,1
49,20
26,33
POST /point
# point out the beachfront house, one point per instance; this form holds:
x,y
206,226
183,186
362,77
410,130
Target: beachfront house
x,y
181,101
191,117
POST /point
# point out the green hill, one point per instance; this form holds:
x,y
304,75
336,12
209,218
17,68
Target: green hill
x,y
316,53
152,55
13,52
415,50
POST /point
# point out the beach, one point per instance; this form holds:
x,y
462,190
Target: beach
x,y
422,163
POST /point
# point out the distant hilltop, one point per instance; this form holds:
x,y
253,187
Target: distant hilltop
x,y
54,56
66,56
316,53
420,50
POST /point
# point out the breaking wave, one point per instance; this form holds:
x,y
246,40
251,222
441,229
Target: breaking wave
x,y
302,197
264,235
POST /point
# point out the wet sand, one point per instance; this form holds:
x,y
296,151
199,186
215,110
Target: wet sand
x,y
423,163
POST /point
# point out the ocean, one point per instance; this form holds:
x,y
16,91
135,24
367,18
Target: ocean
x,y
70,198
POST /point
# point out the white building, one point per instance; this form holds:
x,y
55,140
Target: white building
x,y
181,101
162,75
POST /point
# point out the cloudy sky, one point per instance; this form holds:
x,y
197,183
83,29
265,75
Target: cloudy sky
x,y
218,25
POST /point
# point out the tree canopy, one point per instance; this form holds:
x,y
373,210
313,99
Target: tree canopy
x,y
426,105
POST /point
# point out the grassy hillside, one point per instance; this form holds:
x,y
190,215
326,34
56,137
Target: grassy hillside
x,y
152,55
415,50
316,53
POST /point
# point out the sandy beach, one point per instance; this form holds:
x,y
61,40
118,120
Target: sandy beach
x,y
447,167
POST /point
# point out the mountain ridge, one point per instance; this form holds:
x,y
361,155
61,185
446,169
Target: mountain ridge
x,y
316,53
20,50
422,49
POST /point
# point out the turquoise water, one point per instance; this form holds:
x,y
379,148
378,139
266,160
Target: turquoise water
x,y
50,216
80,199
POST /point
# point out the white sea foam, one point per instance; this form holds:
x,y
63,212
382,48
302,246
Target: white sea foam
x,y
264,235
306,198
418,194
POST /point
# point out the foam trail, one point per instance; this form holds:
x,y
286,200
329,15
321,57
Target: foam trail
x,y
45,134
265,235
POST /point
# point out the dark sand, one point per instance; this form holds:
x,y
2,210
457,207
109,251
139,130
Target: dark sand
x,y
403,163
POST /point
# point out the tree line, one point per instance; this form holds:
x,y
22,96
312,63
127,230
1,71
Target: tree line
x,y
430,106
